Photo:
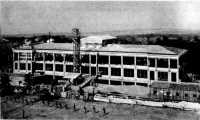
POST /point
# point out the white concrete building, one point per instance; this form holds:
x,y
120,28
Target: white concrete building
x,y
120,64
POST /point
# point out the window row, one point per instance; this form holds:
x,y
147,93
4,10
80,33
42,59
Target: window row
x,y
101,59
162,76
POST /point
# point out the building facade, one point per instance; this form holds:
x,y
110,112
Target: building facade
x,y
119,64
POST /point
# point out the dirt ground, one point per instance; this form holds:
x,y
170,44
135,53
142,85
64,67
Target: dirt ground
x,y
84,111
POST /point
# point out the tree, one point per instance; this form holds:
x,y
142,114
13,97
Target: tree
x,y
5,86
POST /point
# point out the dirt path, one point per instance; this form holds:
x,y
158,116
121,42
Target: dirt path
x,y
85,111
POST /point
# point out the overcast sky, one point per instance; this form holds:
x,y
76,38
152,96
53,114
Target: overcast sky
x,y
43,17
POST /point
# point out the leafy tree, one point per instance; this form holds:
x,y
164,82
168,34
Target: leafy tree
x,y
5,86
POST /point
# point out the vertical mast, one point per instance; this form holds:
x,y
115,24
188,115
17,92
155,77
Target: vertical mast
x,y
76,50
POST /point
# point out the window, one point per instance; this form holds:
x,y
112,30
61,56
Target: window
x,y
186,95
194,95
69,68
85,69
22,56
48,57
93,70
142,73
85,59
141,61
177,94
112,82
173,63
49,67
59,57
69,58
103,70
59,67
29,66
29,56
173,75
16,56
129,72
39,66
162,63
101,81
115,71
128,60
154,92
93,59
152,62
22,66
103,59
39,56
142,84
16,66
152,77
163,76
115,60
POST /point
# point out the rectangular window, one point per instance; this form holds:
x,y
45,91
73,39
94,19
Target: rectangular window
x,y
39,56
142,61
177,94
173,63
128,72
116,71
16,56
69,58
93,70
69,68
101,81
22,56
103,70
93,59
49,67
113,82
39,66
29,56
59,58
194,95
48,57
29,66
162,63
186,95
142,73
128,60
163,76
85,59
152,62
152,77
115,60
22,66
59,67
173,75
16,66
102,59
85,69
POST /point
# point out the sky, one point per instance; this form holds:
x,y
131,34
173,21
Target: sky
x,y
23,17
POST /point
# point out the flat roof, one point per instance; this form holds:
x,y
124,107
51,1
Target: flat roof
x,y
131,48
177,86
96,39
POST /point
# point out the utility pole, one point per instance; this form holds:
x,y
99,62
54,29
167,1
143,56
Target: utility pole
x,y
76,50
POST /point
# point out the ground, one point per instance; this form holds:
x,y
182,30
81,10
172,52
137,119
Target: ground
x,y
38,110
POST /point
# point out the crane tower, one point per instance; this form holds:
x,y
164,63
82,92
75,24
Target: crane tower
x,y
76,50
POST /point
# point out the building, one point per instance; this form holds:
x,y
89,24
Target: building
x,y
176,91
120,64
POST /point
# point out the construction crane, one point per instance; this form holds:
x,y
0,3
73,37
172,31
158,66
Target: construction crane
x,y
76,50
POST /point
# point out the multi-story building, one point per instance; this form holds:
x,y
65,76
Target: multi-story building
x,y
120,64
